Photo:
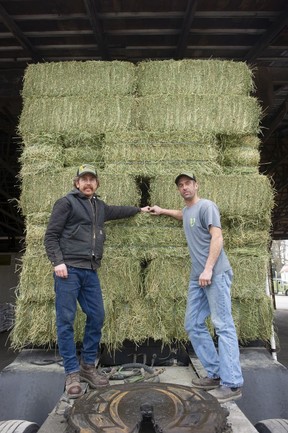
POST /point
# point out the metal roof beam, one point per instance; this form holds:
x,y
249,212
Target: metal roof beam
x,y
188,19
91,7
267,37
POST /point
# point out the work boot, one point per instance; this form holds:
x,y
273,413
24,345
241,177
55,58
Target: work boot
x,y
72,385
89,374
206,383
224,393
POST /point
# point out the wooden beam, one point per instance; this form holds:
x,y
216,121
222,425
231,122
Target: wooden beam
x,y
21,38
93,15
268,36
188,19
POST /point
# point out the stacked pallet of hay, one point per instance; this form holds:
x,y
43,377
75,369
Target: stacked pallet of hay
x,y
213,97
140,126
68,108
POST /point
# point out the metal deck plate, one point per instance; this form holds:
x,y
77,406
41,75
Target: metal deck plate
x,y
147,407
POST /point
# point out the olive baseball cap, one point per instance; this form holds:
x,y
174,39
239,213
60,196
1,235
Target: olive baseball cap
x,y
190,175
86,169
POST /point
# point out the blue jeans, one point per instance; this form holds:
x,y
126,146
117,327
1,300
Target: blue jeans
x,y
214,301
82,285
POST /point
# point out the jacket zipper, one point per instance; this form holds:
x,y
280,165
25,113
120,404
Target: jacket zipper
x,y
94,213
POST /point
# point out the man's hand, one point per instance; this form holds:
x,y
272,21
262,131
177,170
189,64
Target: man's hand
x,y
61,270
156,210
145,209
205,278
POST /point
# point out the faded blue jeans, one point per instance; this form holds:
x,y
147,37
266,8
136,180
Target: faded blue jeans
x,y
82,285
215,301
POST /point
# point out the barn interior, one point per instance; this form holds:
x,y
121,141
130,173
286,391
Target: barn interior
x,y
36,31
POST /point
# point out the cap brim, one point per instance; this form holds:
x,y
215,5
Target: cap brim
x,y
191,176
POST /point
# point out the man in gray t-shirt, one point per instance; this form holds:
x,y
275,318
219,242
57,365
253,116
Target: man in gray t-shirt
x,y
197,220
208,293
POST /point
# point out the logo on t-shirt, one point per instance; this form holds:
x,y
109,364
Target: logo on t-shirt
x,y
192,222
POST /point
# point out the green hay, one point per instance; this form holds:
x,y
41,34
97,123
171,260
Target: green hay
x,y
36,282
250,269
169,139
240,156
147,158
194,77
34,234
244,171
76,139
229,141
253,319
206,113
144,236
40,159
57,184
145,153
40,191
71,115
35,324
79,78
156,168
142,320
238,197
120,276
74,156
167,278
238,237
37,219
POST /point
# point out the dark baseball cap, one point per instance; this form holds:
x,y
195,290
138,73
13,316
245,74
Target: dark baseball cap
x,y
190,175
86,169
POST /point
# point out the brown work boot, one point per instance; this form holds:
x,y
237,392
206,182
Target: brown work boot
x,y
72,385
206,383
89,374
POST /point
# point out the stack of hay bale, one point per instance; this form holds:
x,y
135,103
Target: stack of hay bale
x,y
142,125
213,98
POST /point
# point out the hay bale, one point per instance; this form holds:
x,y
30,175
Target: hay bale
x,y
120,152
188,76
72,115
206,113
169,139
229,141
74,156
240,156
40,158
76,139
119,235
167,278
155,168
54,185
40,191
146,156
37,219
36,284
241,237
250,268
120,275
253,319
76,78
34,325
244,171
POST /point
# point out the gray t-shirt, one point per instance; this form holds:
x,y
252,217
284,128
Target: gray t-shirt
x,y
196,222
